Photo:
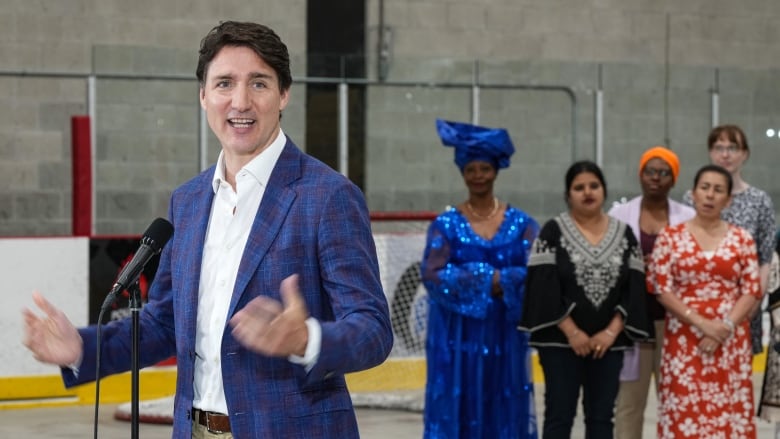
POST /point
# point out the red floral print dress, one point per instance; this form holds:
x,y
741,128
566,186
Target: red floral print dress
x,y
705,395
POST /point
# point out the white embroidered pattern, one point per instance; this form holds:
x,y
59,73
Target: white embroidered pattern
x,y
596,267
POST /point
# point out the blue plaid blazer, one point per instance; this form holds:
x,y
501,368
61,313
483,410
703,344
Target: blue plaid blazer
x,y
312,221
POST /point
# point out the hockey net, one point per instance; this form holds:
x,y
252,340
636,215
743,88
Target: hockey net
x,y
400,381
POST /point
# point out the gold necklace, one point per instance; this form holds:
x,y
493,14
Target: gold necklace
x,y
489,215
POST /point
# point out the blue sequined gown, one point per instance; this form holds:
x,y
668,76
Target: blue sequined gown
x,y
479,379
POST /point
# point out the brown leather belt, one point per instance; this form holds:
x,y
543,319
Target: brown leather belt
x,y
214,422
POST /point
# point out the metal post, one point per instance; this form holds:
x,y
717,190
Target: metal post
x,y
715,104
475,95
667,81
475,104
599,114
343,122
600,127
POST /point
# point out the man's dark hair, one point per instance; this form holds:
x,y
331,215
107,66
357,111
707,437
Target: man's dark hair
x,y
261,39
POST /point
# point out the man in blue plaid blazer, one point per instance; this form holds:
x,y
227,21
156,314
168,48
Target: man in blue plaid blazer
x,y
269,291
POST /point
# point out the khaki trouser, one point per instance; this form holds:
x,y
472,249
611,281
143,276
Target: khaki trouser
x,y
632,395
201,432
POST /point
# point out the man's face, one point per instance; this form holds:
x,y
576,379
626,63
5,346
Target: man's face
x,y
242,101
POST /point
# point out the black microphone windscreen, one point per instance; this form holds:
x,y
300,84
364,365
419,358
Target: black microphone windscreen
x,y
159,232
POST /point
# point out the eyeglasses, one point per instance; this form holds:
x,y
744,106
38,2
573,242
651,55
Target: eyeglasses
x,y
652,172
731,149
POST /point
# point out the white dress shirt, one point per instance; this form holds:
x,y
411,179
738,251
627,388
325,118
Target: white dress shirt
x,y
232,215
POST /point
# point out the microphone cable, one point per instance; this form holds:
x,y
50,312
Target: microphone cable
x,y
97,370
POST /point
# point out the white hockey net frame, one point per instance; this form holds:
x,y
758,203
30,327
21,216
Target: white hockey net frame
x,y
400,381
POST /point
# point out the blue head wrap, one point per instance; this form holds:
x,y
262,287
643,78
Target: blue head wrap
x,y
473,142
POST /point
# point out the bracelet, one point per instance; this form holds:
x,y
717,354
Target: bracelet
x,y
728,322
610,333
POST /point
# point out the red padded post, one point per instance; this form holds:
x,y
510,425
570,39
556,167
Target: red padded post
x,y
81,157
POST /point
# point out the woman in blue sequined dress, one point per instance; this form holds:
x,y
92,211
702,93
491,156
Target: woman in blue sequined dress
x,y
479,379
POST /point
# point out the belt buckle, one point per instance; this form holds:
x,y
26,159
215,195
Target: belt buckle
x,y
208,425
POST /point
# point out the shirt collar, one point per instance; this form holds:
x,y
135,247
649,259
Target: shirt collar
x,y
259,167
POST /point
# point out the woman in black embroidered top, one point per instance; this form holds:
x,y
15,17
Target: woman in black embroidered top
x,y
584,305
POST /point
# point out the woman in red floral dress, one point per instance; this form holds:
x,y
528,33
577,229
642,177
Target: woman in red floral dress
x,y
705,272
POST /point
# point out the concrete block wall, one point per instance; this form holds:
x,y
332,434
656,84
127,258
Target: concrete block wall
x,y
147,131
701,32
424,177
618,47
34,159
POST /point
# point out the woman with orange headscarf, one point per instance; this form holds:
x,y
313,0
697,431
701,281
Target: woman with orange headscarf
x,y
647,214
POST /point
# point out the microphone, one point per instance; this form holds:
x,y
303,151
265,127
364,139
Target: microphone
x,y
152,242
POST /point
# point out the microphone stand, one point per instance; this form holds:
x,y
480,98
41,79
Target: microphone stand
x,y
135,309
